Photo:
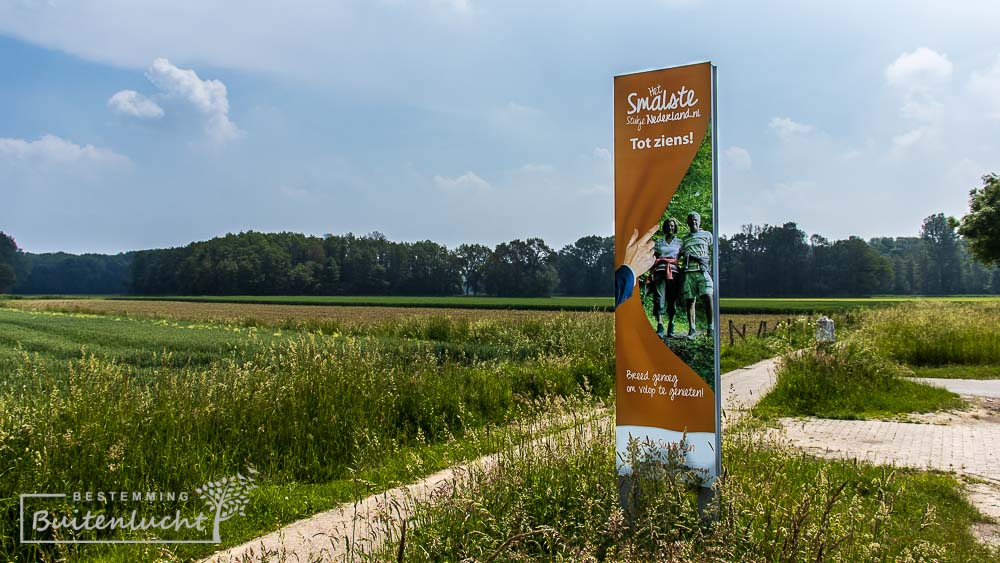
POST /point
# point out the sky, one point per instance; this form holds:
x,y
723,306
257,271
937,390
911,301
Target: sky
x,y
130,125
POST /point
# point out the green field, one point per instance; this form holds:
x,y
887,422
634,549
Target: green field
x,y
456,302
93,402
728,304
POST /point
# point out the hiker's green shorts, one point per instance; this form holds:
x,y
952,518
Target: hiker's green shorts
x,y
697,284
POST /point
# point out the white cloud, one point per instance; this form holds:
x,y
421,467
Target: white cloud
x,y
50,149
461,7
595,189
132,103
916,75
537,168
987,85
209,97
921,107
787,129
919,69
738,157
468,182
515,116
905,141
601,153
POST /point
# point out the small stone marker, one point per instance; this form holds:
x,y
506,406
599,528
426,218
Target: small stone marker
x,y
824,330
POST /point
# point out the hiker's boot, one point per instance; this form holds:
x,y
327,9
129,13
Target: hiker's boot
x,y
659,329
710,332
670,330
692,333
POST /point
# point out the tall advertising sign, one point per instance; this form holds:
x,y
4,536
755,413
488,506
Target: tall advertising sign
x,y
667,317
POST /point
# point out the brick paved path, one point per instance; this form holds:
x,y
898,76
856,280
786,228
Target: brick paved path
x,y
971,448
968,444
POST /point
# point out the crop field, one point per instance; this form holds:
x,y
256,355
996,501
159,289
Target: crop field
x,y
752,338
734,305
456,302
151,404
270,314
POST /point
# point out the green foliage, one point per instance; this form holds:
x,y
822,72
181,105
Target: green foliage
x,y
586,266
695,190
981,227
521,268
8,256
472,260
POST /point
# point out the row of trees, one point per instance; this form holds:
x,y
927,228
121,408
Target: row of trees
x,y
773,261
948,257
255,263
760,261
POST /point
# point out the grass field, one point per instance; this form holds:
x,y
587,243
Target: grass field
x,y
793,332
732,305
92,402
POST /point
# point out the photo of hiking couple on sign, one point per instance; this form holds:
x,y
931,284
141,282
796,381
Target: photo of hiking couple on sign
x,y
678,292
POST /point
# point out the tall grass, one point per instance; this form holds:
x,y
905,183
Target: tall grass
x,y
937,333
776,504
299,407
867,373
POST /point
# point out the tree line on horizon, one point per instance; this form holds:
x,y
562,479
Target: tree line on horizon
x,y
759,261
947,257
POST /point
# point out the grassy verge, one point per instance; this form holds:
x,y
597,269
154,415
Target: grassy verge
x,y
867,374
776,505
850,380
959,371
